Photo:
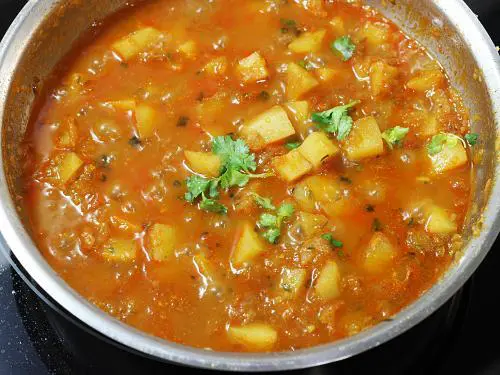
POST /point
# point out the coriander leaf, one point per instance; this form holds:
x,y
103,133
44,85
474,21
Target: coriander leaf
x,y
335,120
234,154
440,140
233,177
212,189
344,47
292,145
471,138
333,242
268,221
394,136
263,202
285,210
212,205
196,186
271,235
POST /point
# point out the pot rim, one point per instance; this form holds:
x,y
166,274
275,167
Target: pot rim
x,y
30,258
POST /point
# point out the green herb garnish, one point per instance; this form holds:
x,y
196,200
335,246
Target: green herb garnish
x,y
211,205
394,136
335,120
437,142
292,145
471,138
263,202
344,47
273,222
333,242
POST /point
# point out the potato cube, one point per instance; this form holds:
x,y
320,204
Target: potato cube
x,y
298,81
316,7
299,112
439,221
327,74
248,245
67,165
378,254
328,283
120,250
364,140
450,157
254,337
161,241
426,80
292,281
252,68
136,42
146,122
316,148
205,163
311,224
375,33
270,126
124,225
292,165
381,77
308,42
304,196
67,134
188,49
217,66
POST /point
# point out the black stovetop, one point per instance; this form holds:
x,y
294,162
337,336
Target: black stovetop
x,y
36,337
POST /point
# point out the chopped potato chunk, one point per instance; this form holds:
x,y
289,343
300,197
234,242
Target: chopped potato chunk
x,y
298,81
375,34
321,192
381,77
316,7
450,157
205,163
217,66
379,253
311,224
292,281
364,140
67,165
146,120
426,80
255,336
308,42
188,49
326,74
270,126
317,147
328,284
252,68
161,241
248,245
120,250
292,165
300,115
68,134
439,221
136,42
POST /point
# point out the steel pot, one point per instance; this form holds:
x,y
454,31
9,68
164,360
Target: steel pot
x,y
43,33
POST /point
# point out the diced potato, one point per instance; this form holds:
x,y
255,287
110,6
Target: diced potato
x,y
67,165
248,245
124,104
311,224
298,81
292,281
136,42
205,163
337,25
379,253
364,140
270,126
439,221
317,147
300,115
426,80
328,284
124,225
188,49
120,250
68,134
321,191
252,68
145,117
314,6
375,34
308,42
255,336
206,268
209,110
304,197
381,77
292,165
449,158
326,74
217,66
161,241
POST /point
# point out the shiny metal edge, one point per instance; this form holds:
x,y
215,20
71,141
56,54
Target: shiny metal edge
x,y
19,241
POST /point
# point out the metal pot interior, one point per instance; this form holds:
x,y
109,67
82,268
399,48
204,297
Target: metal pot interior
x,y
47,29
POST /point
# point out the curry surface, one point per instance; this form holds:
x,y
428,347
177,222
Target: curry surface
x,y
124,183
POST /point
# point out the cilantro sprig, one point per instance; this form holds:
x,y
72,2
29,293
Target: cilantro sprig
x,y
263,202
332,241
441,140
271,222
344,47
394,136
237,163
471,138
336,120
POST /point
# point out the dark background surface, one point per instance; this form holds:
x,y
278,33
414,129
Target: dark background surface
x,y
461,338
